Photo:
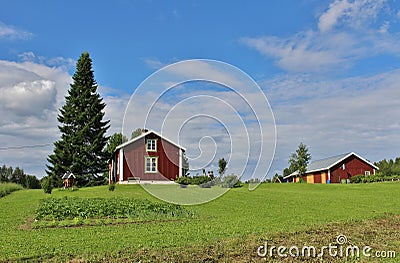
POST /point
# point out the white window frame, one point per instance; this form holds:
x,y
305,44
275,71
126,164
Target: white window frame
x,y
153,145
150,159
367,173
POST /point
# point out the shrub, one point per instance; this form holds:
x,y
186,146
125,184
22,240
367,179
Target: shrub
x,y
373,178
184,180
231,181
195,180
356,179
47,185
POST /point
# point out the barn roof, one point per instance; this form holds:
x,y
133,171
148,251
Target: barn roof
x,y
144,135
328,163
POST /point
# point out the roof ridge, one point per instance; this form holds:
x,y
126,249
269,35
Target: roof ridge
x,y
331,157
143,135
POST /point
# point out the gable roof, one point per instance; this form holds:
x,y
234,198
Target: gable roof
x,y
328,163
143,135
68,175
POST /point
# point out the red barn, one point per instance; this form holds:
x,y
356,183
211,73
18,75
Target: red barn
x,y
148,157
335,169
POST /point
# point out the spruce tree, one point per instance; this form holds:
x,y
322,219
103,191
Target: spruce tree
x,y
83,131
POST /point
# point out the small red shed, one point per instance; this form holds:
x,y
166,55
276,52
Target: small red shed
x,y
68,179
335,169
148,157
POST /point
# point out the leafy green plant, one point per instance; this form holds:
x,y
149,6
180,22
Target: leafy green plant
x,y
75,208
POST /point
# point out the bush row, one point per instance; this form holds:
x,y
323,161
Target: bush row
x,y
373,178
229,181
195,180
7,188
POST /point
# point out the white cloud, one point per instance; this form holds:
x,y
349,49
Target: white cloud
x,y
336,116
303,52
31,93
11,32
153,63
59,62
348,32
356,14
336,10
29,98
384,27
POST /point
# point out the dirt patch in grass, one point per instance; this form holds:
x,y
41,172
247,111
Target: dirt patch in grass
x,y
381,234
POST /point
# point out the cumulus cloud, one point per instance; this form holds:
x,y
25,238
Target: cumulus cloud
x,y
31,92
30,95
29,98
11,32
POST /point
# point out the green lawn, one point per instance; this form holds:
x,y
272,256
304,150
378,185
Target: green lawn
x,y
270,209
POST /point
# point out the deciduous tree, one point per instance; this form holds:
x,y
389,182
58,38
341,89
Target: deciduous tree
x,y
299,160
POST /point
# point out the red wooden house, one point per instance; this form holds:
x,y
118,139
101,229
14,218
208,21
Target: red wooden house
x,y
335,169
148,157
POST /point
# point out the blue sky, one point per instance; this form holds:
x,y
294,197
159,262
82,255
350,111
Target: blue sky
x,y
330,69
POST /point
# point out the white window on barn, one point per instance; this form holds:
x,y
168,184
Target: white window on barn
x,y
367,173
151,145
150,164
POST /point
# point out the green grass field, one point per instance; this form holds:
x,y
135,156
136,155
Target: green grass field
x,y
238,220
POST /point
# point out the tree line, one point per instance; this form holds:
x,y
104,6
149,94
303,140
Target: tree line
x,y
18,176
388,167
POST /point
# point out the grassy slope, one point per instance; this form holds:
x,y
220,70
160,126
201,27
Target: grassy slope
x,y
269,209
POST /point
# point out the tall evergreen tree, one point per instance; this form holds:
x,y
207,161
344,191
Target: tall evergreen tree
x,y
83,131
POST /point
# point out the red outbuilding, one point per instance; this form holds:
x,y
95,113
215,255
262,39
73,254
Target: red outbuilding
x,y
68,179
148,157
335,169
